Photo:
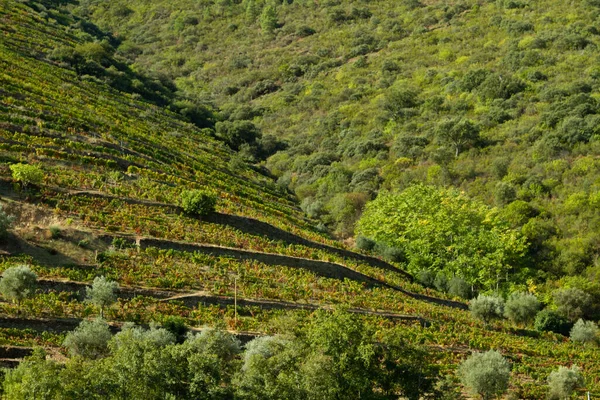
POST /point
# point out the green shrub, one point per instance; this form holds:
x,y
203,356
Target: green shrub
x,y
27,174
198,202
426,278
487,308
486,374
441,282
521,308
571,303
18,283
458,287
364,243
563,382
89,339
584,332
550,321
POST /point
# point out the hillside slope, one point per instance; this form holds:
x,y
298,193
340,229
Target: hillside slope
x,y
114,164
499,99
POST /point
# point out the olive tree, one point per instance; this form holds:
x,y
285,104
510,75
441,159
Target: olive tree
x,y
89,339
571,302
487,308
102,293
486,374
521,308
18,283
563,382
584,332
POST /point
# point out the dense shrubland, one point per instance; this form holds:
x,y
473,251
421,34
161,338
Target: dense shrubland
x,y
495,99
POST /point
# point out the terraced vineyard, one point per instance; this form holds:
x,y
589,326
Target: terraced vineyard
x,y
114,168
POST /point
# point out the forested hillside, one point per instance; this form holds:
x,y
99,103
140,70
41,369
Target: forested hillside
x,y
496,98
152,244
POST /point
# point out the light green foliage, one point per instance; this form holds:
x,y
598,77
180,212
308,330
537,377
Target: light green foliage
x,y
18,283
34,378
89,339
585,332
5,222
27,174
487,308
444,230
563,382
268,19
198,202
521,308
571,302
485,374
102,293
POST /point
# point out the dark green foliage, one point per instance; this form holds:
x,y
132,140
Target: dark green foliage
x,y
5,223
426,278
177,326
550,321
364,243
237,133
198,202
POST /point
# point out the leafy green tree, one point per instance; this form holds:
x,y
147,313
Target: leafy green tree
x,y
5,222
27,174
550,321
585,332
237,133
89,339
270,369
571,302
34,378
18,283
103,293
459,133
485,374
443,230
198,202
268,19
521,308
487,308
563,382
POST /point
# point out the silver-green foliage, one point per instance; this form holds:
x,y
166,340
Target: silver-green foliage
x,y
521,308
486,374
585,332
102,293
571,302
89,339
487,308
18,283
563,382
